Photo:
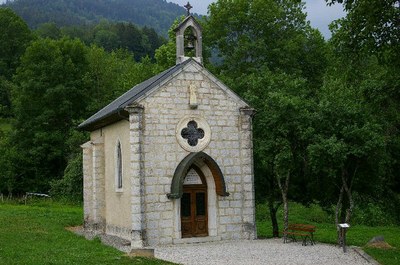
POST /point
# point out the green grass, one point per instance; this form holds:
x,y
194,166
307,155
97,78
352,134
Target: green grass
x,y
5,125
358,235
35,234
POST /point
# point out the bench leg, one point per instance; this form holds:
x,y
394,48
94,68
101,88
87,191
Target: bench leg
x,y
289,238
312,239
304,241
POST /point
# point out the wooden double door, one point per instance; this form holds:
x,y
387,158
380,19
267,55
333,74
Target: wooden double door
x,y
194,220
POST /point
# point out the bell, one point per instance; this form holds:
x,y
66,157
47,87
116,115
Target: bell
x,y
189,46
190,42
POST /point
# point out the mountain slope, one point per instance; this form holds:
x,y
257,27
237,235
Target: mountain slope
x,y
157,14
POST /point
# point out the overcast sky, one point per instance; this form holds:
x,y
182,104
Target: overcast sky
x,y
318,13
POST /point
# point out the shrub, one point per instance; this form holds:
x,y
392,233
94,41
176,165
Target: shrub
x,y
262,212
371,212
70,187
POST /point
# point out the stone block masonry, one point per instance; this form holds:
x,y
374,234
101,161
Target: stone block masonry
x,y
152,149
229,145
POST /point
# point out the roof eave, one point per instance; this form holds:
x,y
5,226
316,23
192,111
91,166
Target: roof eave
x,y
113,117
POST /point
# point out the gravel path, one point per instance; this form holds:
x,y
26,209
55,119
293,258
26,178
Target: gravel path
x,y
271,251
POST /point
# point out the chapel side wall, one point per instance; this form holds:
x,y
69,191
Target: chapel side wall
x,y
94,205
162,111
87,170
118,218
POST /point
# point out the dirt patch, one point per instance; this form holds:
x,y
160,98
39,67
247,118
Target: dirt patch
x,y
74,229
380,245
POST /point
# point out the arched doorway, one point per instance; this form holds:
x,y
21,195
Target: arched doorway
x,y
194,214
202,189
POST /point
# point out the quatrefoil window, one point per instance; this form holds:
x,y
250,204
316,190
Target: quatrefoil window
x,y
192,134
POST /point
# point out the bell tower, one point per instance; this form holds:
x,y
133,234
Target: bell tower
x,y
188,39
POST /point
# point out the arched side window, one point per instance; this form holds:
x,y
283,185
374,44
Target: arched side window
x,y
118,170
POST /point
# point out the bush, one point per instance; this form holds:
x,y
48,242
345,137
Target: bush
x,y
70,187
370,212
262,212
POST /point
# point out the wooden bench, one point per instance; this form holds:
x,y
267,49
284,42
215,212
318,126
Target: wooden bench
x,y
301,230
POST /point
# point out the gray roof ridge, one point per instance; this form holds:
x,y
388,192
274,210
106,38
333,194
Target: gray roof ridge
x,y
135,92
158,77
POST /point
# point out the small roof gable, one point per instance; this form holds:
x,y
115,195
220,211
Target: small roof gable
x,y
115,111
185,21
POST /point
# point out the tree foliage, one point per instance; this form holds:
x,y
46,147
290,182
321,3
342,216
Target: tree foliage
x,y
60,83
327,122
157,14
48,99
273,34
282,131
111,36
365,50
371,26
14,37
326,112
271,56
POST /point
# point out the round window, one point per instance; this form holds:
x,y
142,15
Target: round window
x,y
193,133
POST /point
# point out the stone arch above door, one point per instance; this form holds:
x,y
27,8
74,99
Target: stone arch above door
x,y
185,165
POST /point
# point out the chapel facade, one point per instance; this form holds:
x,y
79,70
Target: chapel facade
x,y
171,160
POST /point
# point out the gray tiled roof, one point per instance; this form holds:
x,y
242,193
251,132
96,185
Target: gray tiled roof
x,y
115,110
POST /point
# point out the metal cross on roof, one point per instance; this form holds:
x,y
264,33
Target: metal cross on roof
x,y
188,7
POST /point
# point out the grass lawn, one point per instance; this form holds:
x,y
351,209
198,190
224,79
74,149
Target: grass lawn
x,y
35,234
358,235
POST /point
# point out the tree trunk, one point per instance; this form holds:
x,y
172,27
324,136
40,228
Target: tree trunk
x,y
337,213
285,213
347,189
284,191
272,213
345,213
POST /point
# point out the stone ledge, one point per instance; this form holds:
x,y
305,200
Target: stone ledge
x,y
196,240
142,252
364,255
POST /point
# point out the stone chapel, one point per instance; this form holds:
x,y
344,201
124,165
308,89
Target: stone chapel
x,y
171,160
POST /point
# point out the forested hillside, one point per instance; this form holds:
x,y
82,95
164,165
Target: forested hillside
x,y
157,14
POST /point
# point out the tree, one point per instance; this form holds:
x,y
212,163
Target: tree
x,y
49,98
371,26
8,176
365,58
70,186
249,35
48,30
15,36
282,130
348,151
112,74
271,56
5,102
154,13
155,41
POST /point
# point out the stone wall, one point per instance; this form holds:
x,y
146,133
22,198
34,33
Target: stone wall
x,y
94,184
141,211
230,146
